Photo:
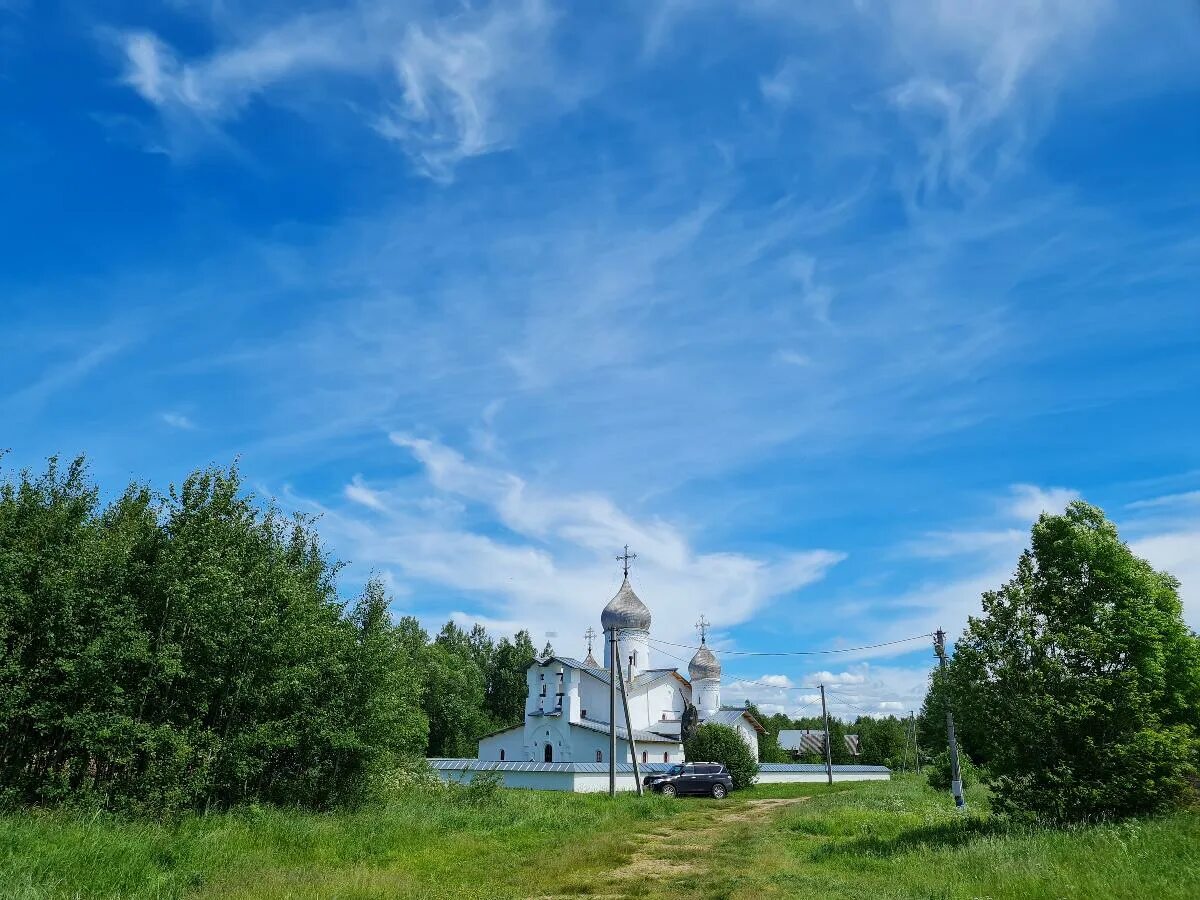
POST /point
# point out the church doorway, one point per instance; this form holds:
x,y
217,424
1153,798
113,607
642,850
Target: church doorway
x,y
549,753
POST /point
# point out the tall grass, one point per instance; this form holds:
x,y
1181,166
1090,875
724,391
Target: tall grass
x,y
868,840
902,839
427,843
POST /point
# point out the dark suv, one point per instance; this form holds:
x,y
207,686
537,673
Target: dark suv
x,y
701,778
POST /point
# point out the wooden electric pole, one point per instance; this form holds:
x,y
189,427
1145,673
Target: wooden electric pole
x,y
828,744
637,772
612,712
956,785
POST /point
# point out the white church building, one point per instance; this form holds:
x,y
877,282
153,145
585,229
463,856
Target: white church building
x,y
567,708
563,744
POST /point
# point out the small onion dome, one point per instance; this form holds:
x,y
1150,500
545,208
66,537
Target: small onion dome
x,y
704,665
625,611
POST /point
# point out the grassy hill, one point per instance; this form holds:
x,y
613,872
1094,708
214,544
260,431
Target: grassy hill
x,y
897,839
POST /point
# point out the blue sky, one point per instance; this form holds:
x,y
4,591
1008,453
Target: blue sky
x,y
816,306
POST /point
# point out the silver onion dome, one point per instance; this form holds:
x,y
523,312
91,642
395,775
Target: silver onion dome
x,y
625,611
704,665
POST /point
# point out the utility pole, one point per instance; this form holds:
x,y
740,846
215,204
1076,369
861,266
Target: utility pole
x,y
828,745
912,717
637,772
612,712
956,786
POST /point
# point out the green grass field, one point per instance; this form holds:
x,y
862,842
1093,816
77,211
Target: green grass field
x,y
897,839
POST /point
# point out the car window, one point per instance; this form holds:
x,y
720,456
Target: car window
x,y
675,770
708,770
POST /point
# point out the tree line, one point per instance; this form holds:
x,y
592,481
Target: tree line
x,y
190,650
882,740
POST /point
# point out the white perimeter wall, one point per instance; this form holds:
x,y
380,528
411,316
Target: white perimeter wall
x,y
814,777
586,783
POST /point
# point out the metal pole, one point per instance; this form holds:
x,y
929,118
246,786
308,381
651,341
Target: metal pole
x,y
612,712
828,745
956,786
637,772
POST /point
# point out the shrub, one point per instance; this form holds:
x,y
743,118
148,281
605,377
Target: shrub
x,y
939,771
722,744
484,789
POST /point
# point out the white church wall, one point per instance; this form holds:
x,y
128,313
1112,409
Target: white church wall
x,y
593,699
749,735
631,643
647,709
552,730
707,693
512,742
588,743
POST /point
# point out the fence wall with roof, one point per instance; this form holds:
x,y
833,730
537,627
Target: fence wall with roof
x,y
582,777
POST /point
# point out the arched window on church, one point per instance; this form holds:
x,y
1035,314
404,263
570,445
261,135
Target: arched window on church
x,y
645,756
501,756
599,756
666,757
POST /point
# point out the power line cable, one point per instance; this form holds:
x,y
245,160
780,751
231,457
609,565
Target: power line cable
x,y
917,637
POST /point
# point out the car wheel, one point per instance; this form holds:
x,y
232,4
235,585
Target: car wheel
x,y
718,791
668,790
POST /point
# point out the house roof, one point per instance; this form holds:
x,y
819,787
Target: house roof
x,y
812,740
643,679
649,737
729,715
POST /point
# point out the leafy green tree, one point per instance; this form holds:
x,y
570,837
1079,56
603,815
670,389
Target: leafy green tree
x,y
720,743
1080,680
453,701
769,750
187,650
884,741
506,685
392,727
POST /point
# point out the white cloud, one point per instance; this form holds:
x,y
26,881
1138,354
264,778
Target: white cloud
x,y
1184,500
793,358
1177,552
178,420
551,566
219,86
1029,501
864,688
357,491
841,678
777,681
466,84
450,88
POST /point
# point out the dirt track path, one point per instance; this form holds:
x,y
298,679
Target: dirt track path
x,y
677,847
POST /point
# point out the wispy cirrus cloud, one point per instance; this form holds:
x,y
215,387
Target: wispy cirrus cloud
x,y
444,85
